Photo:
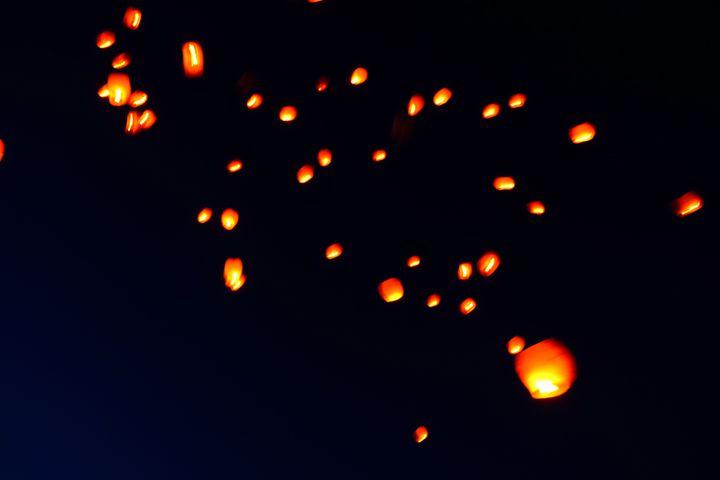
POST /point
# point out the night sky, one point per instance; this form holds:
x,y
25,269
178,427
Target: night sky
x,y
123,355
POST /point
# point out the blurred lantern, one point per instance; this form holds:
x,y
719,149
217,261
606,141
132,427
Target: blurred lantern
x,y
132,123
359,75
288,114
119,88
687,204
104,91
517,100
121,61
465,270
415,105
491,110
305,174
147,119
379,155
467,306
488,263
433,300
322,84
536,208
137,99
504,183
105,39
193,59
314,1
229,218
442,96
234,166
234,278
2,149
547,369
333,251
204,215
132,18
324,157
254,101
391,290
413,261
582,133
421,434
515,345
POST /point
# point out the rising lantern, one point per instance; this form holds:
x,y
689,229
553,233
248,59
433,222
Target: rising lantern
x,y
254,101
488,263
504,183
119,88
104,91
420,434
121,61
234,166
288,114
536,208
413,261
515,345
137,98
491,110
582,133
333,251
379,155
234,277
442,96
105,39
517,100
391,290
322,84
2,149
689,203
132,18
433,300
464,270
305,174
324,157
204,215
132,123
359,75
547,369
229,218
147,119
193,59
467,306
415,105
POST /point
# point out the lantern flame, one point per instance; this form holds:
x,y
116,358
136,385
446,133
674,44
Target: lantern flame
x,y
536,208
515,345
104,91
379,155
391,290
333,251
582,133
517,100
324,157
105,39
359,75
229,218
305,174
132,123
491,110
442,96
147,119
433,300
204,216
288,114
234,166
193,59
254,101
689,203
420,434
119,88
415,105
465,271
234,278
488,263
322,84
413,261
504,183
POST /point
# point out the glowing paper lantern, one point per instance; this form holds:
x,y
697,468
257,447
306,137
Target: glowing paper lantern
x,y
379,155
322,84
105,39
193,59
288,114
488,263
137,99
254,101
515,345
687,204
121,61
119,88
132,123
234,166
234,278
420,434
104,91
229,218
305,174
132,18
413,261
582,133
204,215
2,149
391,290
324,157
467,306
415,105
359,75
442,96
491,110
536,208
465,270
547,369
504,183
147,119
517,100
433,300
333,251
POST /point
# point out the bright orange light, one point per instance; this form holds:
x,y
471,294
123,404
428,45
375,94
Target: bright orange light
x,y
433,300
488,263
234,278
687,204
547,369
515,345
379,155
305,174
582,133
333,251
119,88
467,306
517,100
204,215
193,59
254,101
2,149
137,99
324,157
391,290
132,18
504,183
322,84
229,218
132,123
234,166
105,39
536,208
147,119
104,91
415,105
314,1
420,434
359,75
442,96
413,261
288,114
465,270
491,110
121,61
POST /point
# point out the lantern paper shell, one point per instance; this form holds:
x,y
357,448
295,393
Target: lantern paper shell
x,y
515,345
254,101
322,84
205,215
415,105
536,208
119,87
137,99
491,110
582,133
233,273
689,203
413,261
467,306
420,434
504,183
465,271
288,114
488,263
517,100
359,76
121,61
305,173
442,96
193,59
433,300
333,251
229,218
324,157
391,290
234,166
379,155
105,39
132,18
547,369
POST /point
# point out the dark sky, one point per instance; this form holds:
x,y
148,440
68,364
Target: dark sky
x,y
124,356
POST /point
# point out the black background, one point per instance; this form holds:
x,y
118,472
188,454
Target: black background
x,y
123,355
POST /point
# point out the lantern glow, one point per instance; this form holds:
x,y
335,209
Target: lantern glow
x,y
465,271
504,183
324,157
229,218
119,87
491,110
547,369
536,208
254,101
132,123
689,203
121,61
322,84
132,18
582,133
379,155
137,99
205,215
420,434
415,105
104,91
2,149
442,96
391,290
467,306
234,166
105,39
359,76
488,263
234,278
413,261
305,174
433,300
288,114
515,345
333,251
517,100
147,119
193,59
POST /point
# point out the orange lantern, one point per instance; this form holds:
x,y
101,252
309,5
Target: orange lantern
x,y
324,157
391,290
433,300
687,204
517,100
415,105
234,166
379,155
193,59
2,149
491,110
413,261
105,39
288,114
132,123
465,271
121,61
147,119
119,88
442,96
488,263
504,183
204,215
229,218
547,369
515,345
305,174
333,251
359,75
582,133
536,208
467,306
420,434
234,278
322,84
254,101
314,1
104,91
132,18
137,99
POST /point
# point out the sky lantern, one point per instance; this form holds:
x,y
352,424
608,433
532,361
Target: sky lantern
x,y
333,251
515,345
491,110
488,263
379,155
433,300
547,369
324,157
288,114
193,59
415,105
234,166
582,133
104,91
2,149
132,18
234,278
442,96
536,208
687,204
420,434
305,173
467,306
229,218
391,290
137,99
254,101
106,39
517,100
204,215
147,119
504,183
322,84
413,261
465,270
119,88
359,75
121,61
132,123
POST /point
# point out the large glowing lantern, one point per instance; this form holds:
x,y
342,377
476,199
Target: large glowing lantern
x,y
442,96
515,345
119,88
517,100
467,306
132,123
547,369
305,174
504,183
324,157
193,59
413,261
204,215
433,300
333,251
234,166
229,218
582,133
137,99
536,208
121,61
464,271
379,155
488,263
288,114
132,18
420,434
234,278
415,105
359,75
105,39
687,204
491,110
391,290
